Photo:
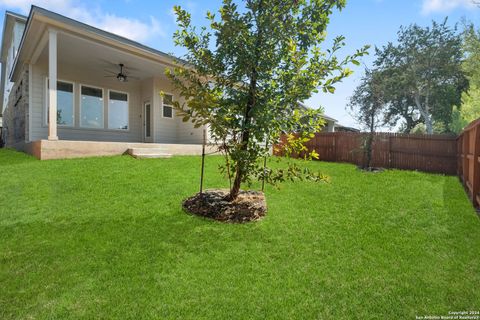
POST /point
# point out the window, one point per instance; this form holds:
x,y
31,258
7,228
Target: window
x,y
91,107
168,106
65,112
117,110
64,103
147,121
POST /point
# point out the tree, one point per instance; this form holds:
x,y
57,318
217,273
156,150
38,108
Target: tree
x,y
245,74
367,105
469,109
423,74
401,108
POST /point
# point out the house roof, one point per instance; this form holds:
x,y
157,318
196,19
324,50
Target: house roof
x,y
347,128
10,17
304,106
58,20
8,27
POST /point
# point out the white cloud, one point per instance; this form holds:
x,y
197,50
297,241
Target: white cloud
x,y
172,15
430,6
24,5
128,27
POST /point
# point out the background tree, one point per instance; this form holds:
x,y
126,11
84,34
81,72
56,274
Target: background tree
x,y
245,74
367,106
422,73
401,109
469,108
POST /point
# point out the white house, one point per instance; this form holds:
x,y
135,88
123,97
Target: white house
x,y
69,89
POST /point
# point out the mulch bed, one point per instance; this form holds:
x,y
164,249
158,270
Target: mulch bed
x,y
249,206
371,169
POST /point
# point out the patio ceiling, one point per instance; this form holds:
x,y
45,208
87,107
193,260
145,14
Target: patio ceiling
x,y
87,55
85,45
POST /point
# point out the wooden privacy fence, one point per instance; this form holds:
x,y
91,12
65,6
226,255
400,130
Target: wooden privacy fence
x,y
468,144
429,153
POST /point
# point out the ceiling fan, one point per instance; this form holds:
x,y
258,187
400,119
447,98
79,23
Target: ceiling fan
x,y
121,76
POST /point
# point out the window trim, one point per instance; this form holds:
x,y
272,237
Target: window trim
x,y
80,85
77,109
128,109
45,113
167,105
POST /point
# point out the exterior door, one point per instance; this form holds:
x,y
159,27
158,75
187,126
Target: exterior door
x,y
147,122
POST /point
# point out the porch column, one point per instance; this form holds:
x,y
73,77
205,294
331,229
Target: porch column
x,y
52,84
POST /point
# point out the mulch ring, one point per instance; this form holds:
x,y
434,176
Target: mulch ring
x,y
371,169
249,206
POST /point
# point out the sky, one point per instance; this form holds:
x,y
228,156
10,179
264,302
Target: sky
x,y
372,22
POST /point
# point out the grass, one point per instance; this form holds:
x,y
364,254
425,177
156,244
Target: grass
x,y
106,238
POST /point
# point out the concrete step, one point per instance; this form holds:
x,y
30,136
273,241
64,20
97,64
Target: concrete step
x,y
151,156
147,150
148,153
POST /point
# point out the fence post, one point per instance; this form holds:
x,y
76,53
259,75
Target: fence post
x,y
464,155
264,166
460,156
389,151
466,152
203,160
476,167
335,146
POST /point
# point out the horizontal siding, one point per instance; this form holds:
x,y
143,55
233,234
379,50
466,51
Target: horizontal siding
x,y
37,131
40,130
165,128
188,134
172,130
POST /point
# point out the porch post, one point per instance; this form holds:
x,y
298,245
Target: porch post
x,y
52,84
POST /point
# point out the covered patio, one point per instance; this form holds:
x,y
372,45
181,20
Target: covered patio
x,y
78,93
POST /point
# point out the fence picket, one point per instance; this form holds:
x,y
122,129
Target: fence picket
x,y
468,144
430,153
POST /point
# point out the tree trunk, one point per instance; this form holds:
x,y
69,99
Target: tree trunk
x,y
252,95
428,123
236,186
239,171
369,142
425,112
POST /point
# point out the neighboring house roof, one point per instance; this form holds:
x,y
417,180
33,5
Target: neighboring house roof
x,y
329,118
339,127
304,106
58,20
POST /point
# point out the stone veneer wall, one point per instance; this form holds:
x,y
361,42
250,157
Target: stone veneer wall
x,y
15,115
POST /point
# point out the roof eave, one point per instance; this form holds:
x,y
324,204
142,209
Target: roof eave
x,y
133,45
8,16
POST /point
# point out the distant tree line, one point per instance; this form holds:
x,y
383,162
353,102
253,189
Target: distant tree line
x,y
428,81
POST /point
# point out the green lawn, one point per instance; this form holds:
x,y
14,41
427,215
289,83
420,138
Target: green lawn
x,y
107,238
